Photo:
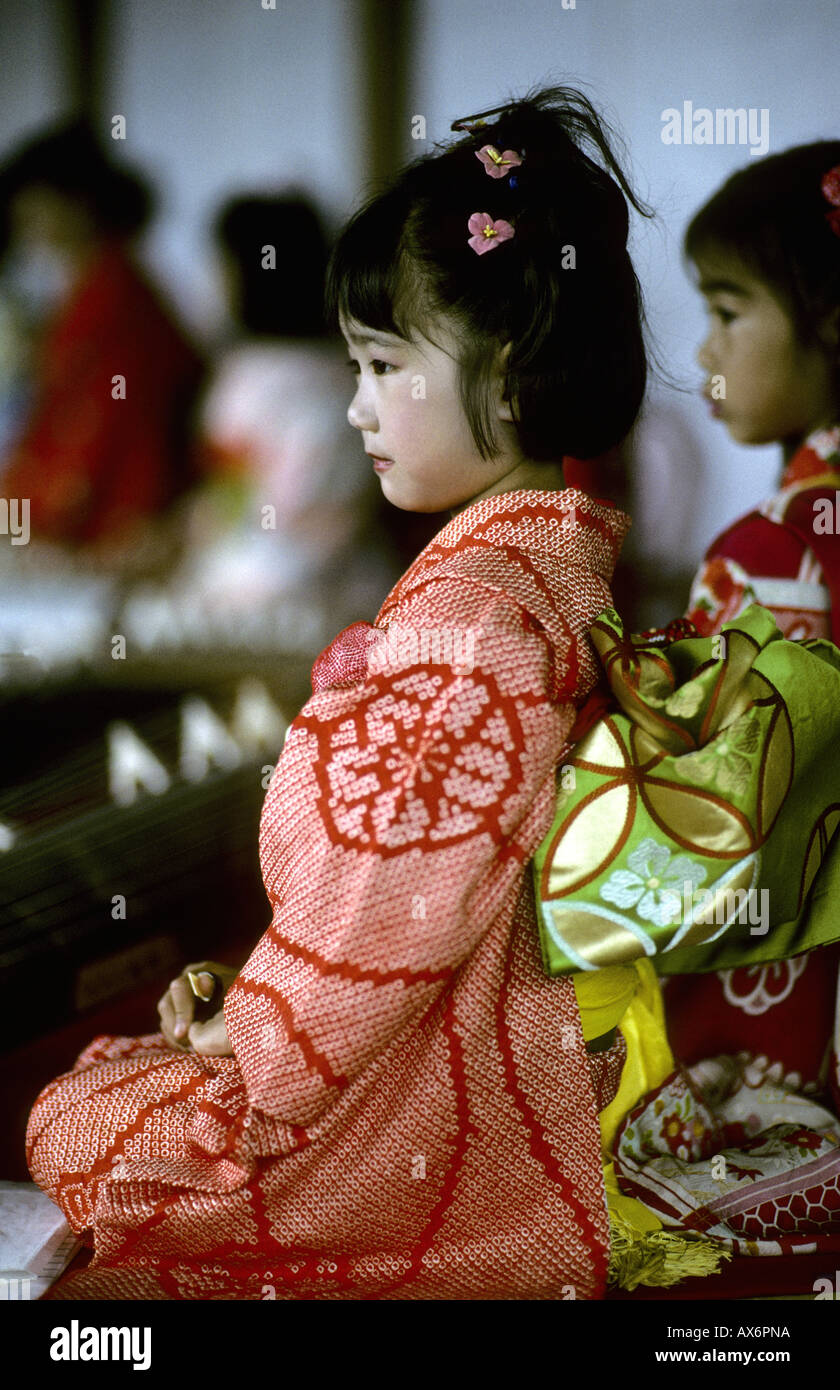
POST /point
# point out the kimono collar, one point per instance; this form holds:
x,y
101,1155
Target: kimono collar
x,y
568,525
819,454
529,543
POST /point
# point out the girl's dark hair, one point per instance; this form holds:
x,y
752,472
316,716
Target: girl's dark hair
x,y
577,369
772,217
287,301
71,160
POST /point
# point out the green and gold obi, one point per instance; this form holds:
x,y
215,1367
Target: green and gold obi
x,y
697,822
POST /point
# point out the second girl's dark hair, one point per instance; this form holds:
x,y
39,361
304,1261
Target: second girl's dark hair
x,y
772,216
577,369
287,301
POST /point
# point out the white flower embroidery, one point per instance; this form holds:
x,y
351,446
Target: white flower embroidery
x,y
760,998
654,883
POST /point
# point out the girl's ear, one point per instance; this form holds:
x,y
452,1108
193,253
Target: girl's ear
x,y
504,407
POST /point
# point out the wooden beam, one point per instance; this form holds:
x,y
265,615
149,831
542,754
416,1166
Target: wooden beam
x,y
84,26
385,29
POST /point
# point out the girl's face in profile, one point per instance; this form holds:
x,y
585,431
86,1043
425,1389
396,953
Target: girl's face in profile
x,y
408,408
774,388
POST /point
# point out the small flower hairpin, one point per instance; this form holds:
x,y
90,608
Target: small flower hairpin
x,y
487,234
831,192
498,165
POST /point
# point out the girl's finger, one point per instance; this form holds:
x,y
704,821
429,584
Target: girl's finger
x,y
182,1001
167,1022
166,998
167,1019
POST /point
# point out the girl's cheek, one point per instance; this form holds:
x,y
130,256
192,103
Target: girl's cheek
x,y
414,403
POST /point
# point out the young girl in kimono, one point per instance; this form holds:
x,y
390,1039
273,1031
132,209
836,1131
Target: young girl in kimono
x,y
767,252
394,1100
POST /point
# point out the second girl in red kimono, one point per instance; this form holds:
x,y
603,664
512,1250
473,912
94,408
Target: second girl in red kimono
x,y
767,252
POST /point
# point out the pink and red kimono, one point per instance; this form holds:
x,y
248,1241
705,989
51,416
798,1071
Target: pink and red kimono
x,y
782,1014
410,1111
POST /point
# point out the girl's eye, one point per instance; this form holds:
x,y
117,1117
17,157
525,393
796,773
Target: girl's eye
x,y
724,316
378,367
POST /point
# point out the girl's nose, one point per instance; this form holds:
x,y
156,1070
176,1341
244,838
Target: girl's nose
x,y
360,413
704,356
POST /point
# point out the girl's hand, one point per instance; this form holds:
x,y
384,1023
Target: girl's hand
x,y
177,1007
210,1039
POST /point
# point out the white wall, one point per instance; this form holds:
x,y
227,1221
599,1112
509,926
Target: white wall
x,y
222,96
32,89
640,57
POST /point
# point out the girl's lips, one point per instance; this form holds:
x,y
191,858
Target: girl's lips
x,y
381,465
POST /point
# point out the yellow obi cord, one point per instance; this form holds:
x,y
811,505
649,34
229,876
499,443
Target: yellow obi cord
x,y
641,1252
629,995
604,996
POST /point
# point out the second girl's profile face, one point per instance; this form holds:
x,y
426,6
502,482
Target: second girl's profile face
x,y
774,388
408,408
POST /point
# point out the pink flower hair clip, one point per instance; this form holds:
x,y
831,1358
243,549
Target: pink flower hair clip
x,y
831,192
487,234
498,166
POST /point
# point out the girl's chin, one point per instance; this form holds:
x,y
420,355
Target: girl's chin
x,y
397,497
739,433
743,434
407,499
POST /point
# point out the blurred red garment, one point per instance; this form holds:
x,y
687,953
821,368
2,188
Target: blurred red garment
x,y
98,456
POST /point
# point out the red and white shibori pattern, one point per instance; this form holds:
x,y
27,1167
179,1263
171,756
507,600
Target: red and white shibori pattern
x,y
409,1112
775,557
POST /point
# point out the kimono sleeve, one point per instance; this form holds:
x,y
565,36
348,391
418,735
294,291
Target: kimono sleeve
x,y
720,591
767,562
396,829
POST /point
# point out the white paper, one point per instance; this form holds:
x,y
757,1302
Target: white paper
x,y
36,1243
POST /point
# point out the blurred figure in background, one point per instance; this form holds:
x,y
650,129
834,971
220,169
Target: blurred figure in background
x,y
102,449
290,503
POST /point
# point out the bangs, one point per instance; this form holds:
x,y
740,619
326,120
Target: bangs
x,y
731,231
753,236
364,276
